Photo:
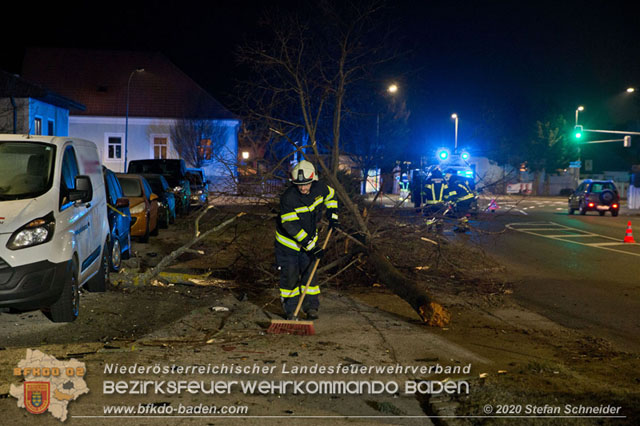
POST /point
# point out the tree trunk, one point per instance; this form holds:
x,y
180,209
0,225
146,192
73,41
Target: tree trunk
x,y
431,312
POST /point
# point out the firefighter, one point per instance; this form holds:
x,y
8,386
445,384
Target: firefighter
x,y
404,187
434,192
296,244
460,194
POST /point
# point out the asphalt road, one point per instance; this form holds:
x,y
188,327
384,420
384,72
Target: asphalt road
x,y
574,269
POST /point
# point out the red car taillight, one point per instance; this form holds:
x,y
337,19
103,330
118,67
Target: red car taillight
x,y
591,204
614,206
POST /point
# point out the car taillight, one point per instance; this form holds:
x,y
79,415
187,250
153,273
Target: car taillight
x,y
614,206
591,204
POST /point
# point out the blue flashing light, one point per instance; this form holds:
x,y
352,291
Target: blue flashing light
x,y
443,154
464,155
465,173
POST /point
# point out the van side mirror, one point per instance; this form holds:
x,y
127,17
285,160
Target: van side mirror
x,y
122,202
83,191
153,197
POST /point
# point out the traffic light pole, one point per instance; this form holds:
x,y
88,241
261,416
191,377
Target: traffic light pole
x,y
617,132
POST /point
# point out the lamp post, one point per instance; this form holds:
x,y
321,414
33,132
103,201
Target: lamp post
x,y
126,120
455,143
580,108
391,89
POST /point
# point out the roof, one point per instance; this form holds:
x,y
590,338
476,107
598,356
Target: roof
x,y
12,85
99,79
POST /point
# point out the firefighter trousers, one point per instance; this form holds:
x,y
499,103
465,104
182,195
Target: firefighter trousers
x,y
295,268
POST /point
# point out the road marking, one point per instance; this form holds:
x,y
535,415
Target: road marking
x,y
534,228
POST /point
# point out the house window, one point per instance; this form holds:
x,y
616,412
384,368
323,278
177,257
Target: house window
x,y
159,148
114,148
51,131
204,150
37,126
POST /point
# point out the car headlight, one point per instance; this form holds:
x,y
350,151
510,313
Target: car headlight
x,y
138,208
177,188
199,192
38,231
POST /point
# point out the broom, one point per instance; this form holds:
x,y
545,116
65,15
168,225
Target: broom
x,y
295,326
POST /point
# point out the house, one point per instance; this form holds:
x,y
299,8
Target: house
x,y
139,105
28,108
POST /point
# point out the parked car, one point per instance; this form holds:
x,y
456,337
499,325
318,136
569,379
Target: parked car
x,y
54,230
199,187
143,205
595,195
175,171
119,220
160,187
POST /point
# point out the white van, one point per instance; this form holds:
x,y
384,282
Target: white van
x,y
53,224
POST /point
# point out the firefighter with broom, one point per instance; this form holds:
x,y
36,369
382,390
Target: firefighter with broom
x,y
296,245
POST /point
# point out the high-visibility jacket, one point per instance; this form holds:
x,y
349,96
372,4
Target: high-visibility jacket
x,y
459,191
299,215
434,191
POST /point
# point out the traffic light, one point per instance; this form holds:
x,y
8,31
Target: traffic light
x,y
627,141
577,132
443,154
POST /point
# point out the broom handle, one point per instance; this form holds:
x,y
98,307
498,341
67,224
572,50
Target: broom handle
x,y
313,271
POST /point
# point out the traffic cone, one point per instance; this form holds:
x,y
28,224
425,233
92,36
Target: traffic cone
x,y
493,206
628,237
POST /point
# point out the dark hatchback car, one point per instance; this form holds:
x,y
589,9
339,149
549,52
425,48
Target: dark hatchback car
x,y
199,187
595,195
119,220
160,187
174,171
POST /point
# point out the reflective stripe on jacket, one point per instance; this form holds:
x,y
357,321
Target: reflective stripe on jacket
x,y
435,190
299,215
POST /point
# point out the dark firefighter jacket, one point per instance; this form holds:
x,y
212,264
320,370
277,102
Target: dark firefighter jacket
x,y
434,190
299,214
459,191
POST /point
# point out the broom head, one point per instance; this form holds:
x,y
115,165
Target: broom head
x,y
301,328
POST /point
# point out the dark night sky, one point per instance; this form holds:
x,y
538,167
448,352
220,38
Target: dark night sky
x,y
516,58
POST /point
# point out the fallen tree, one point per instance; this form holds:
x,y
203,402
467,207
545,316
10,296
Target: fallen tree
x,y
300,87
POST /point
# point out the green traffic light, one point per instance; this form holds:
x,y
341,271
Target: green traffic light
x,y
577,132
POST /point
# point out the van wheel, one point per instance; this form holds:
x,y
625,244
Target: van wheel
x,y
571,211
614,213
98,283
67,307
583,208
601,213
115,260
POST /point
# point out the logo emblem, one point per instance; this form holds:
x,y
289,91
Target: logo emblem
x,y
36,396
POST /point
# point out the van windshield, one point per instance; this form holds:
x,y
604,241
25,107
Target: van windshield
x,y
26,169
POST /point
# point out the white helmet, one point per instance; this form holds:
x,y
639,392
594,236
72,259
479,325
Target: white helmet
x,y
303,173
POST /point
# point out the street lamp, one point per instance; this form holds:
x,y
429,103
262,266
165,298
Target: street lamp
x,y
580,108
393,88
126,120
455,146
